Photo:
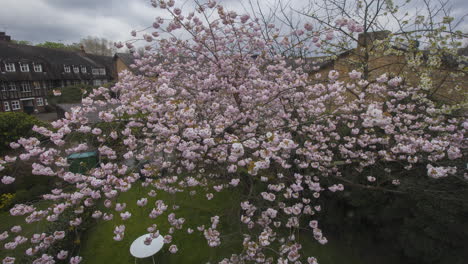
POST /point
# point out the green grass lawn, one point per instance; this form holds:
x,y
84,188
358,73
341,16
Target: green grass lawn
x,y
7,222
99,247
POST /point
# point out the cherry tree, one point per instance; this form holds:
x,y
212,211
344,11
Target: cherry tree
x,y
216,108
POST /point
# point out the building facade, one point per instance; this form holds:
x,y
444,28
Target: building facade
x,y
29,73
448,85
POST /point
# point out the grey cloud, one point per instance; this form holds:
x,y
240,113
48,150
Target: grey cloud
x,y
70,20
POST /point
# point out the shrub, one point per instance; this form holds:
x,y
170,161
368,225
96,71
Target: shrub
x,y
70,94
15,125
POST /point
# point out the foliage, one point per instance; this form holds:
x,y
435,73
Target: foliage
x,y
424,225
22,42
58,45
15,125
5,200
70,94
98,46
92,45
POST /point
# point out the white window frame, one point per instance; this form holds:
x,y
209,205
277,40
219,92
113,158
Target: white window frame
x,y
24,67
76,69
6,106
37,67
4,86
95,71
46,102
25,87
102,71
15,105
97,82
83,69
39,101
12,86
10,67
67,69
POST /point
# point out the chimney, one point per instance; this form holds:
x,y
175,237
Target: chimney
x,y
366,39
4,37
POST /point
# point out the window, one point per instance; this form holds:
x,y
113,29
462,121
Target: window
x,y
12,86
37,67
39,101
15,105
95,71
3,86
83,69
76,69
37,85
102,71
6,106
66,68
24,67
25,87
96,82
46,103
10,67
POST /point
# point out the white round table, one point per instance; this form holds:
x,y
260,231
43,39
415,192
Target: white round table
x,y
138,249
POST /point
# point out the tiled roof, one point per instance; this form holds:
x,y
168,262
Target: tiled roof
x,y
52,61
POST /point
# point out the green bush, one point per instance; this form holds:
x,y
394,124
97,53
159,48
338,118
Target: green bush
x,y
23,196
27,187
14,125
423,225
70,94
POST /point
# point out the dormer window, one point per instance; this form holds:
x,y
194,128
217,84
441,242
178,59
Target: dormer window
x,y
95,71
10,67
76,69
37,67
66,68
24,67
102,71
83,69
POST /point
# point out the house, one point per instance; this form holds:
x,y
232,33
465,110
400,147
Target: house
x,y
448,83
129,62
123,62
29,73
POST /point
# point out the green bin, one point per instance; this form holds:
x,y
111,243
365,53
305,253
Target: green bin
x,y
82,162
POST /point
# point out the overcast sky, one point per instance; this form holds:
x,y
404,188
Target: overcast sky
x,y
68,21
